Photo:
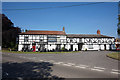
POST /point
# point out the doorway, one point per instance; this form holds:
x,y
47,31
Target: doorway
x,y
58,48
71,47
26,47
80,46
41,47
104,46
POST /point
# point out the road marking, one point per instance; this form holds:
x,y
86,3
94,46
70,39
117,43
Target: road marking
x,y
40,60
80,67
58,63
71,64
99,68
67,64
83,65
46,61
95,69
51,61
115,72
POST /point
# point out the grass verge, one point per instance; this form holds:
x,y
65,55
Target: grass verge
x,y
37,52
115,55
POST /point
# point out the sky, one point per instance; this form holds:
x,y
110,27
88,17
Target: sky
x,y
84,19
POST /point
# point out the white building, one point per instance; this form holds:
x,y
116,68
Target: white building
x,y
57,40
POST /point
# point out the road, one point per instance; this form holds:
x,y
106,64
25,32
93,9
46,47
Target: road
x,y
89,64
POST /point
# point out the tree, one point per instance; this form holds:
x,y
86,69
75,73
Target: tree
x,y
9,32
118,29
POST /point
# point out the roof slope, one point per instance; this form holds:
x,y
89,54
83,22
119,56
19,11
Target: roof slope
x,y
44,32
87,36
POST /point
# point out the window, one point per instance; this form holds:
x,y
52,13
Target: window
x,y
90,46
41,40
26,39
71,40
52,39
80,40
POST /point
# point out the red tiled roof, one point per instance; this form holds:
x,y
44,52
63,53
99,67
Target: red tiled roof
x,y
87,36
44,32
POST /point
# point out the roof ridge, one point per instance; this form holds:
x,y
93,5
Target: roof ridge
x,y
44,32
83,34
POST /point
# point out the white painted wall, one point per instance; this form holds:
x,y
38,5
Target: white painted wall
x,y
102,47
67,46
20,47
95,47
62,39
75,47
62,46
107,47
84,47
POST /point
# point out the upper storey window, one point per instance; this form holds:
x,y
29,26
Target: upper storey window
x,y
26,39
52,38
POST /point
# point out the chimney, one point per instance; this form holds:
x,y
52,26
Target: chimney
x,y
63,29
26,30
22,30
98,32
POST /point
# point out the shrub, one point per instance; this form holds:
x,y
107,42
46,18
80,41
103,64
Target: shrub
x,y
63,49
85,49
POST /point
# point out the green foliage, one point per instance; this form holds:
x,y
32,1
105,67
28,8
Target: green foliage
x,y
118,31
63,49
86,49
9,33
115,55
12,44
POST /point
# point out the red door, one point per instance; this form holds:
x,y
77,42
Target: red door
x,y
34,48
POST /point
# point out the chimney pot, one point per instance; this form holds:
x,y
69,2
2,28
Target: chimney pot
x,y
63,29
98,32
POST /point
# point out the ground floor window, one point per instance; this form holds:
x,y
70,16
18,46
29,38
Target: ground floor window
x,y
26,47
90,46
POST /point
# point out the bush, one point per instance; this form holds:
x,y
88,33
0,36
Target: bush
x,y
63,49
86,49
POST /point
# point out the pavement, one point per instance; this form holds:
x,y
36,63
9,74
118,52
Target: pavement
x,y
88,64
